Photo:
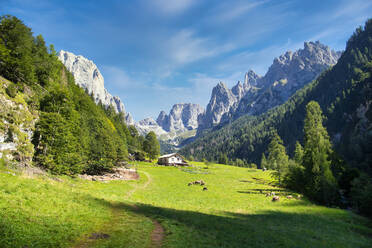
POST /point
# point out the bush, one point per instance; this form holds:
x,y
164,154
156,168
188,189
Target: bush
x,y
361,194
252,166
294,178
11,90
140,156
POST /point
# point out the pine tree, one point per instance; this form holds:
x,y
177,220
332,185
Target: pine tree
x,y
320,182
151,145
263,161
278,158
298,153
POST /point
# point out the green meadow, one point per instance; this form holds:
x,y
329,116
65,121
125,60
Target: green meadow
x,y
50,211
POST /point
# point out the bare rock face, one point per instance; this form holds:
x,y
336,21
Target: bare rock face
x,y
149,124
288,73
222,100
182,117
88,77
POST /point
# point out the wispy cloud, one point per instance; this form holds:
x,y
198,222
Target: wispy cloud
x,y
350,8
257,60
229,10
185,47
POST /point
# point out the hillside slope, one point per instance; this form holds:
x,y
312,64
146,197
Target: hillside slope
x,y
46,119
343,92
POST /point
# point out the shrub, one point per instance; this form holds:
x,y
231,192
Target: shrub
x,y
140,156
11,90
361,194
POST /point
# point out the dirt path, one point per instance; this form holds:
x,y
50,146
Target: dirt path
x,y
157,235
149,180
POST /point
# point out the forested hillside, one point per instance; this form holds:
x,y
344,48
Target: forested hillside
x,y
70,133
344,94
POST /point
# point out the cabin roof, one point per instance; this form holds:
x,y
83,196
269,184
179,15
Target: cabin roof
x,y
169,155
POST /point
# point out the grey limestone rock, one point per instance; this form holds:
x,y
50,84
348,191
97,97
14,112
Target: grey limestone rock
x,y
88,77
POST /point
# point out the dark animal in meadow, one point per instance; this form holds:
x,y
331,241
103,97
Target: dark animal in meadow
x,y
189,184
275,198
205,188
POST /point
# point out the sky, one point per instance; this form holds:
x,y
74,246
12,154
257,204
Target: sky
x,y
156,53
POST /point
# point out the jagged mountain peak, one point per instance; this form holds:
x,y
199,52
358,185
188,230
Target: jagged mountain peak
x,y
288,73
238,90
88,76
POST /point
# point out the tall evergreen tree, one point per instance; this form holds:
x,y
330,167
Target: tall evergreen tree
x,y
151,145
320,184
278,158
263,161
298,153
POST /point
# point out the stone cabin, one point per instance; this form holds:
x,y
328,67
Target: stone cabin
x,y
172,159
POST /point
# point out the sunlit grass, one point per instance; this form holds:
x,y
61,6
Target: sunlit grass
x,y
233,212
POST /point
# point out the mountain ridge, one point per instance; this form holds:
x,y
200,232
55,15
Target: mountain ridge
x,y
88,76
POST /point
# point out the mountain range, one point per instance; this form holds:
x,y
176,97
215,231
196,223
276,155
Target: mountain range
x,y
343,92
257,94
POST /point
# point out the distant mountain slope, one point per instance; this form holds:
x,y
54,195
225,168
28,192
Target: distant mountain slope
x,y
288,73
88,77
343,92
183,117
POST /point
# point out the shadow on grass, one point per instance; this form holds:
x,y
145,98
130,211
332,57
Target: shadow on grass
x,y
281,192
266,229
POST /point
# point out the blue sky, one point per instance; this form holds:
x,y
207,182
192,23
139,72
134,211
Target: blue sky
x,y
155,53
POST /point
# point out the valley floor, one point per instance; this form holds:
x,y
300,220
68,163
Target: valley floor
x,y
162,210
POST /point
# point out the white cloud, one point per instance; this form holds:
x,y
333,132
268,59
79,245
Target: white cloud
x,y
350,8
231,10
185,47
259,60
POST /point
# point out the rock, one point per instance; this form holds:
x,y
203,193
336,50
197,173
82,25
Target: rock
x,y
149,124
88,77
99,236
289,197
221,101
182,117
288,73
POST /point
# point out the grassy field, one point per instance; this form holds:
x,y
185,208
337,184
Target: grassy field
x,y
42,211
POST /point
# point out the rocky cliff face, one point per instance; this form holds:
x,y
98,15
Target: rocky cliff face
x,y
181,118
224,101
149,124
88,77
17,125
288,73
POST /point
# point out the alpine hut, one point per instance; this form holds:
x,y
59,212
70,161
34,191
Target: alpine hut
x,y
172,159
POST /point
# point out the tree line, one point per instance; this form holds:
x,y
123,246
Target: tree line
x,y
72,134
343,92
316,169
